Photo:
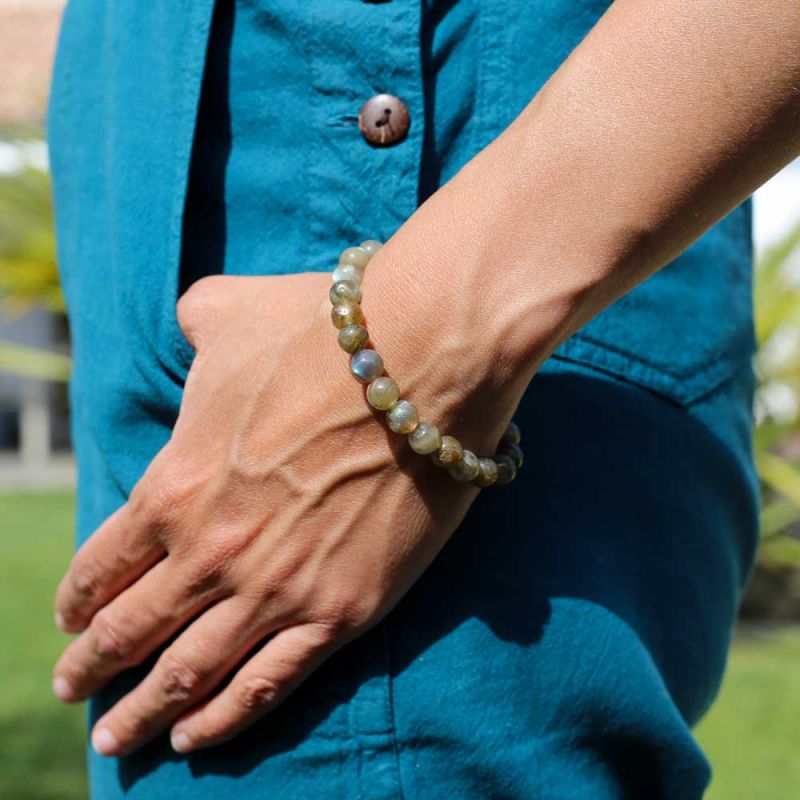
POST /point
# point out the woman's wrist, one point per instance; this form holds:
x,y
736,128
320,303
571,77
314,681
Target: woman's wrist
x,y
383,392
464,303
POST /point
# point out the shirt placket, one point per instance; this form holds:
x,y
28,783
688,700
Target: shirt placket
x,y
365,75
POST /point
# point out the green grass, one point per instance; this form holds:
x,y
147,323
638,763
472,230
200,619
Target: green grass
x,y
42,754
752,732
749,736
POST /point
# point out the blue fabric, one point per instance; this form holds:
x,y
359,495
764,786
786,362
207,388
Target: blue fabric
x,y
577,623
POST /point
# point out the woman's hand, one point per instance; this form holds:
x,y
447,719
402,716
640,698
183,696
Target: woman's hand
x,y
282,507
283,517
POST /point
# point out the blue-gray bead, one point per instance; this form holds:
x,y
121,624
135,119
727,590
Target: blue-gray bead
x,y
366,365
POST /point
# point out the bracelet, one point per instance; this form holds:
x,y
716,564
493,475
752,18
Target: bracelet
x,y
383,392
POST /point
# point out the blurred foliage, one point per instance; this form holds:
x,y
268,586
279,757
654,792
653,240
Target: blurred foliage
x,y
777,439
28,267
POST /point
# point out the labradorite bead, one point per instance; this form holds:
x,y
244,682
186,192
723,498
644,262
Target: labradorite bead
x,y
352,338
382,393
514,452
347,314
366,365
487,472
371,246
506,470
466,469
511,435
450,452
402,417
345,292
356,256
348,272
425,438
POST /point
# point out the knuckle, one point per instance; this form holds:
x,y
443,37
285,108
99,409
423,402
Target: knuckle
x,y
150,504
108,640
348,613
86,580
205,577
257,693
180,680
158,501
198,302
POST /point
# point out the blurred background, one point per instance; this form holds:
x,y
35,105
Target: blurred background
x,y
749,735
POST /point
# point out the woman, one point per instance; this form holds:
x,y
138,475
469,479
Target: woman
x,y
276,597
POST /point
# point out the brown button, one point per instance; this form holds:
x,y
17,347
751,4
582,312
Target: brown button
x,y
384,120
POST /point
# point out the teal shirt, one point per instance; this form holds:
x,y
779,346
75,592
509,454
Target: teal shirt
x,y
281,181
122,121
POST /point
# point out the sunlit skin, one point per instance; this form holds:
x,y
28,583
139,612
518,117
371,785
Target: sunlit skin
x,y
282,511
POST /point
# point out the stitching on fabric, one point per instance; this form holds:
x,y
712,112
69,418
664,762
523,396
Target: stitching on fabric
x,y
682,390
731,352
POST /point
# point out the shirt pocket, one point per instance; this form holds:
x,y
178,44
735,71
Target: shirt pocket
x,y
687,328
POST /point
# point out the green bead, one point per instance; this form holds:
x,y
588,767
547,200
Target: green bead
x,y
356,256
371,246
346,314
450,452
402,417
366,365
506,470
352,338
487,473
383,393
425,438
511,435
345,292
467,469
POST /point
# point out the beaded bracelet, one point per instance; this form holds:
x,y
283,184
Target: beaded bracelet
x,y
383,393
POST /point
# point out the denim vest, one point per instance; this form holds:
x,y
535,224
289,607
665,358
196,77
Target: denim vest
x,y
303,183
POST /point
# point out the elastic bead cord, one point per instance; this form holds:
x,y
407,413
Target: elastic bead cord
x,y
383,393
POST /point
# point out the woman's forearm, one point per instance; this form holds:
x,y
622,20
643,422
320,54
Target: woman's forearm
x,y
665,118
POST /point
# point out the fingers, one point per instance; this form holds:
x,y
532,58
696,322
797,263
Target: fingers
x,y
261,684
130,628
113,558
183,675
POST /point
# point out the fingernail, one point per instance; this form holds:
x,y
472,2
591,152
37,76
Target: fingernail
x,y
62,688
104,742
181,742
60,621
